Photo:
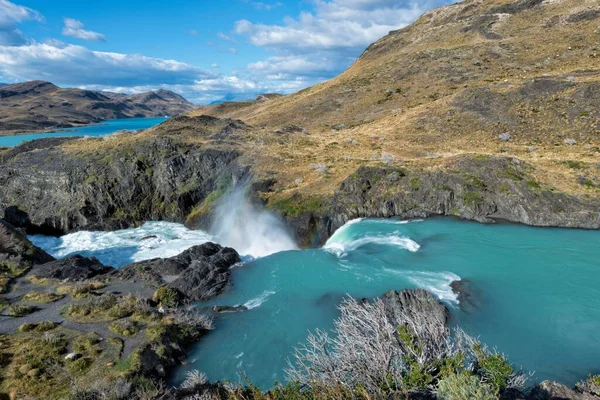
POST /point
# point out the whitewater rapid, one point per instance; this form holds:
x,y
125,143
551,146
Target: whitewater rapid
x,y
118,248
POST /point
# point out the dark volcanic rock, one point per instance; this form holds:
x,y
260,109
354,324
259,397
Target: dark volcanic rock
x,y
16,249
418,305
548,390
466,293
76,268
202,281
154,179
483,189
228,309
199,273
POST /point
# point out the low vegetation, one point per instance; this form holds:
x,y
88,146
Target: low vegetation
x,y
19,310
42,297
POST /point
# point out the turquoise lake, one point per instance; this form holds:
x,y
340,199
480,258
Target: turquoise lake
x,y
104,128
535,292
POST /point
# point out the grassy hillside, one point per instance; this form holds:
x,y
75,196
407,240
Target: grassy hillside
x,y
517,78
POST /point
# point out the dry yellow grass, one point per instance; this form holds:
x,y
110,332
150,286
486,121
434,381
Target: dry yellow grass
x,y
447,85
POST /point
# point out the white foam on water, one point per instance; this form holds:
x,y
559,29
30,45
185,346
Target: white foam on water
x,y
343,246
341,241
117,248
437,283
257,302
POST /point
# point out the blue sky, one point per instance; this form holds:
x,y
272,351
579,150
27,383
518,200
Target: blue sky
x,y
201,49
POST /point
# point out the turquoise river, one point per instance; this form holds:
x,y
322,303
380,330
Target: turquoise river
x,y
535,292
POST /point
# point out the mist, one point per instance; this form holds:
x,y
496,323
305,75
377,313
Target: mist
x,y
249,228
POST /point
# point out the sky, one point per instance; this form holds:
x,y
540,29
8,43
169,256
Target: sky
x,y
205,50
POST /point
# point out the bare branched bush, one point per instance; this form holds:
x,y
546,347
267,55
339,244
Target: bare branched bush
x,y
194,378
363,350
188,315
385,352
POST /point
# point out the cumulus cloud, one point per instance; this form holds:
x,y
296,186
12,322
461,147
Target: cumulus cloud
x,y
307,49
67,63
75,29
324,42
10,15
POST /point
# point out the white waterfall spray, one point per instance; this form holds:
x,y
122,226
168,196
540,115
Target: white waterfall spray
x,y
249,228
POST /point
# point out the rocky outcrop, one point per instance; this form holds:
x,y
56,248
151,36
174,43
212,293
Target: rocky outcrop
x,y
480,188
76,268
16,248
483,189
228,309
154,179
548,390
199,273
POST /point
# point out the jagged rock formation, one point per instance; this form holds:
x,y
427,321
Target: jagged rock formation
x,y
75,268
38,105
199,273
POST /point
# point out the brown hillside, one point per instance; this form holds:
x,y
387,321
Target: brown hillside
x,y
495,77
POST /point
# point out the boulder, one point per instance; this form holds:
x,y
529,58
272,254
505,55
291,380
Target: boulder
x,y
76,268
163,270
202,281
228,309
468,296
199,273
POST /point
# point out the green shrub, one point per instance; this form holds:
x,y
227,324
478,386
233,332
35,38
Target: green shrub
x,y
124,328
19,310
494,367
42,297
473,198
464,387
166,296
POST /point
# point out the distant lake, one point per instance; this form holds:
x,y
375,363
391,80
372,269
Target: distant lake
x,y
102,129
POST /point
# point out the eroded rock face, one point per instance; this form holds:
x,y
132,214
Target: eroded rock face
x,y
477,188
199,273
16,248
76,268
154,179
548,390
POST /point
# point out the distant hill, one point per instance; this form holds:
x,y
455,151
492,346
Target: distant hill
x,y
231,97
38,105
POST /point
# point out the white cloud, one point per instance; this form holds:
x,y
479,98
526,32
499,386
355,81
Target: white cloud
x,y
223,36
305,50
10,15
259,5
75,29
71,64
320,44
192,32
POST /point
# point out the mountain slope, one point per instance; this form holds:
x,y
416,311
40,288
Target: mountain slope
x,y
490,76
38,105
